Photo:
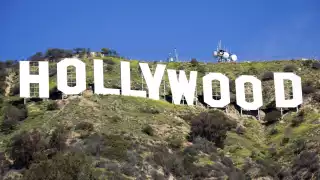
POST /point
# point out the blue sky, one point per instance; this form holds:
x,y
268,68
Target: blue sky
x,y
149,30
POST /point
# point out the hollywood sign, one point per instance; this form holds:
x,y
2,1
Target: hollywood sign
x,y
179,83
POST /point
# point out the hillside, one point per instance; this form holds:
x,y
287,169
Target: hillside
x,y
120,137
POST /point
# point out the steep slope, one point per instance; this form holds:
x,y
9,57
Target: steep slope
x,y
121,137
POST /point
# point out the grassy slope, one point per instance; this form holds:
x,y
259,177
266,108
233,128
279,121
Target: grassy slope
x,y
129,115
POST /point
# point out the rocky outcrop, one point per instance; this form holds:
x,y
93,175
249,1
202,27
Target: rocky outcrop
x,y
11,83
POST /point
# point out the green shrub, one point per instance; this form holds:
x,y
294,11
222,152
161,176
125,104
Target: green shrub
x,y
109,68
308,88
201,69
24,146
316,97
272,117
150,109
232,86
109,62
113,146
194,62
52,105
211,125
171,162
15,90
7,126
306,166
267,76
273,131
308,63
175,141
68,166
58,138
240,130
86,126
11,117
52,71
290,68
298,146
203,145
252,71
316,65
268,167
148,130
297,120
129,170
14,113
272,151
284,141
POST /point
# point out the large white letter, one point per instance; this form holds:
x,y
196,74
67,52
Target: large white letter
x,y
153,82
80,76
26,79
224,90
99,80
257,92
281,102
125,82
182,86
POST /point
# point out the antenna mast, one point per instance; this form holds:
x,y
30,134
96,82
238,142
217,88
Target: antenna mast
x,y
222,54
176,54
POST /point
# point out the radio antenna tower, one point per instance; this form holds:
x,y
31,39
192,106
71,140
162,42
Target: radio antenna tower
x,y
219,45
222,54
176,54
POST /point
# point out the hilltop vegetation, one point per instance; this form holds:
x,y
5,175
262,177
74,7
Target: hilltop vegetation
x,y
120,137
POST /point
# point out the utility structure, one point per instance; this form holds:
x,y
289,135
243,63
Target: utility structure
x,y
222,54
173,58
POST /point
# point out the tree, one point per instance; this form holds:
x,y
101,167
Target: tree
x,y
194,62
23,147
37,57
212,126
80,51
267,76
290,68
316,65
88,52
105,51
109,52
114,53
55,54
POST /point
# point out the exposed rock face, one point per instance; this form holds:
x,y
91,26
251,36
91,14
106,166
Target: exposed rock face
x,y
262,115
232,111
13,175
87,93
11,83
